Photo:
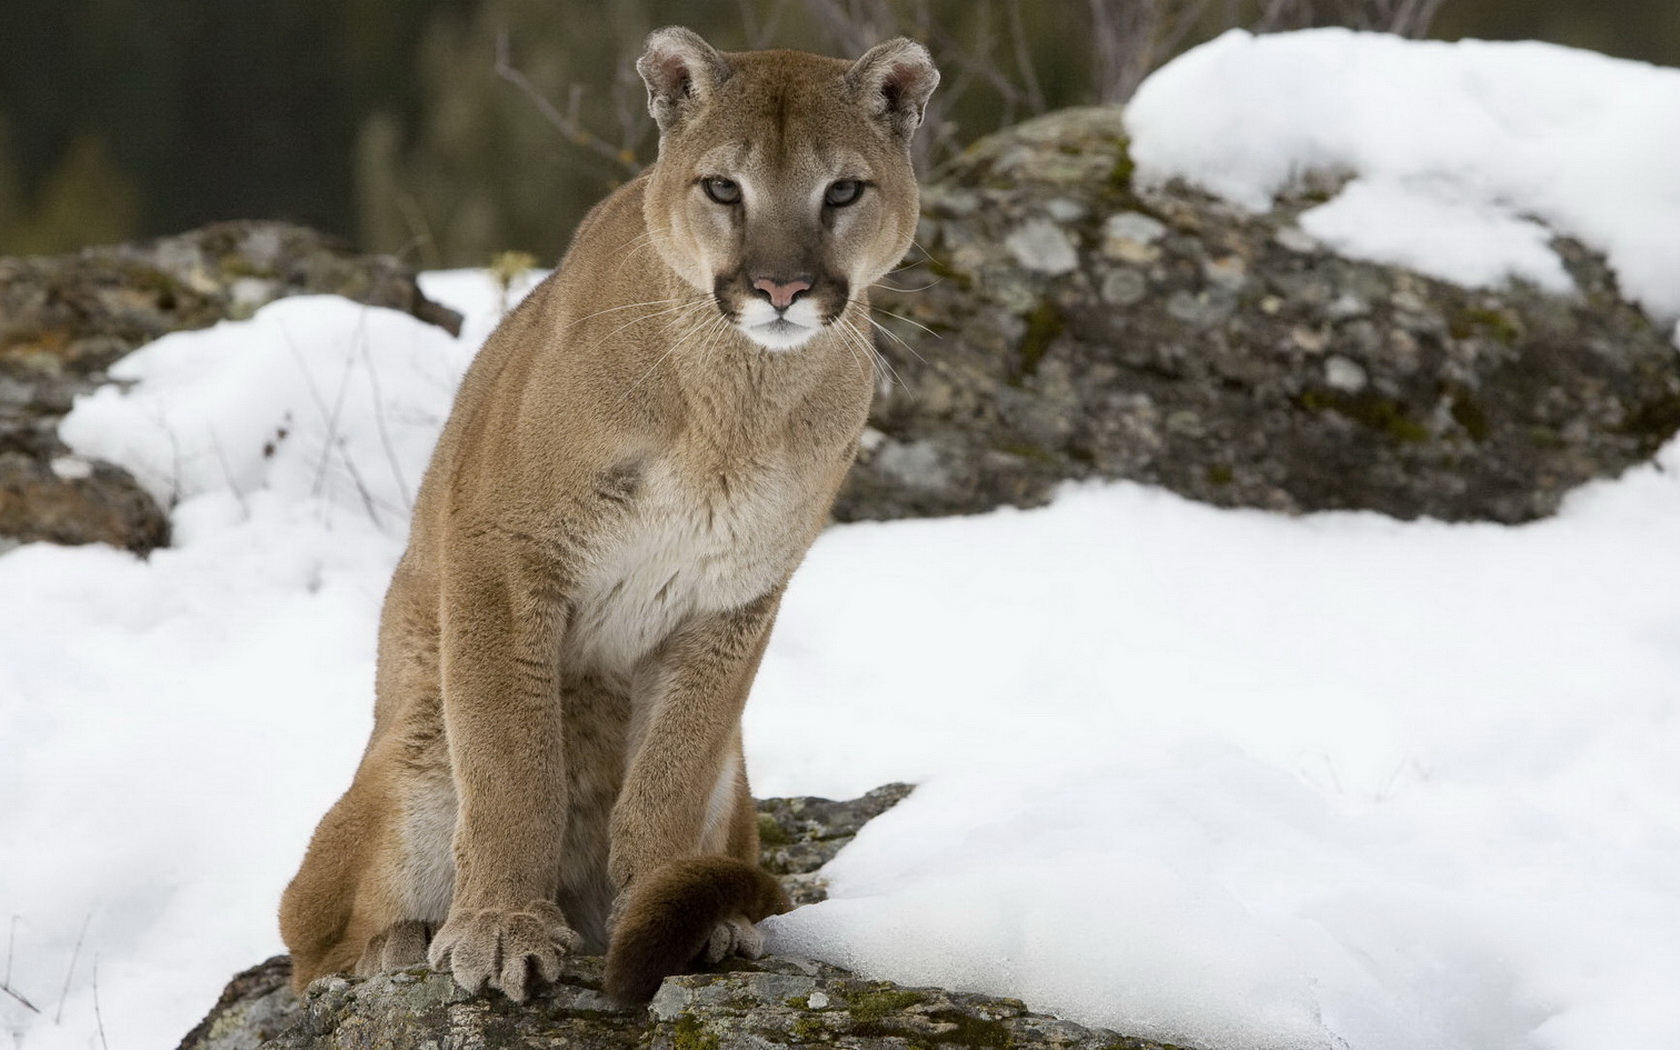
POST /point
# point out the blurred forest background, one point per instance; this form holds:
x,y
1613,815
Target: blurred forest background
x,y
450,130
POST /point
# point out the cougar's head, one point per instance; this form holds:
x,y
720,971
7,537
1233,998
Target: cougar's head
x,y
784,185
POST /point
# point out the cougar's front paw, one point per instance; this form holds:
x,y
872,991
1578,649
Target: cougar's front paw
x,y
733,936
503,948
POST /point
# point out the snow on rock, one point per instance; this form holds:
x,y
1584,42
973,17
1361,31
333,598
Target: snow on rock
x,y
1455,149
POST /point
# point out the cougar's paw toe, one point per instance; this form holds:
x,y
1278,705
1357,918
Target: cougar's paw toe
x,y
733,936
507,949
399,946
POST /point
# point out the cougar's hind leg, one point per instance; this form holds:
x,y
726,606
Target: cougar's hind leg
x,y
337,901
377,879
415,870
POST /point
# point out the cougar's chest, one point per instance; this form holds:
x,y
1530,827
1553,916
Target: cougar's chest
x,y
688,542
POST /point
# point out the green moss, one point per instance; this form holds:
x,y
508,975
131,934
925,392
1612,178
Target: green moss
x,y
964,1031
1369,410
770,833
1120,178
879,1002
1044,324
1654,422
1026,451
687,1034
1467,412
1220,474
809,1029
972,1031
1503,325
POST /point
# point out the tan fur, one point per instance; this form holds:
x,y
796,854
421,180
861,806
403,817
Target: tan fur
x,y
636,462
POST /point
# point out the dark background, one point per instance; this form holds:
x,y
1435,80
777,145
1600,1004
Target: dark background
x,y
385,121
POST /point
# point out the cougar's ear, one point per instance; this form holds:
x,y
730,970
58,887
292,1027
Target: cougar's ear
x,y
893,81
679,69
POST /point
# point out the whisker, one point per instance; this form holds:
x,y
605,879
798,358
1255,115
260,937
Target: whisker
x,y
626,306
911,291
884,368
907,320
658,313
894,336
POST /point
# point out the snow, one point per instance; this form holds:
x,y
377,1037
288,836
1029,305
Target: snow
x,y
1458,152
1221,778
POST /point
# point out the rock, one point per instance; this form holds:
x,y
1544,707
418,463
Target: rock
x,y
408,1009
71,500
799,835
1065,324
765,1004
65,319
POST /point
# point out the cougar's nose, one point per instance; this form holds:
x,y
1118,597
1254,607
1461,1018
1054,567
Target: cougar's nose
x,y
782,293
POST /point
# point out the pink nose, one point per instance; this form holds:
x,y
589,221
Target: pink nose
x,y
781,293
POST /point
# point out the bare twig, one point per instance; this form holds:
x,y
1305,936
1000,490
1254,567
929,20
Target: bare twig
x,y
568,123
1129,38
385,442
75,953
1023,60
15,994
6,981
227,471
98,1017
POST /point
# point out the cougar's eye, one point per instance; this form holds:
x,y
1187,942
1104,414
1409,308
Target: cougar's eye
x,y
842,192
724,191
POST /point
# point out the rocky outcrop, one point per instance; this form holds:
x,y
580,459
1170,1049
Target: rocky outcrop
x,y
1063,323
65,319
762,1005
765,1004
797,836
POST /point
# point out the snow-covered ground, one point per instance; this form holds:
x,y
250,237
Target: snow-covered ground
x,y
1222,778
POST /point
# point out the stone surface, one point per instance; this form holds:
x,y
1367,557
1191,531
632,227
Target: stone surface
x,y
1064,324
65,319
762,1005
799,835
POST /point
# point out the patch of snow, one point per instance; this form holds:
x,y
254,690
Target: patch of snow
x,y
1459,151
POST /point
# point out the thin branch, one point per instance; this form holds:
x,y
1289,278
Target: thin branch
x,y
75,953
98,1017
1023,60
6,981
15,994
567,124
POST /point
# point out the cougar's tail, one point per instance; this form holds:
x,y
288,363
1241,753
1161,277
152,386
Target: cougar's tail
x,y
671,914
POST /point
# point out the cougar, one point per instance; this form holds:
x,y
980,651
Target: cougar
x,y
635,464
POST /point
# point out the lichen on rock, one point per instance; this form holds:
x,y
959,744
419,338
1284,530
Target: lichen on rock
x,y
1229,356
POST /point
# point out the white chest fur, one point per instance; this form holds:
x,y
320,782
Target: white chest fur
x,y
687,547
